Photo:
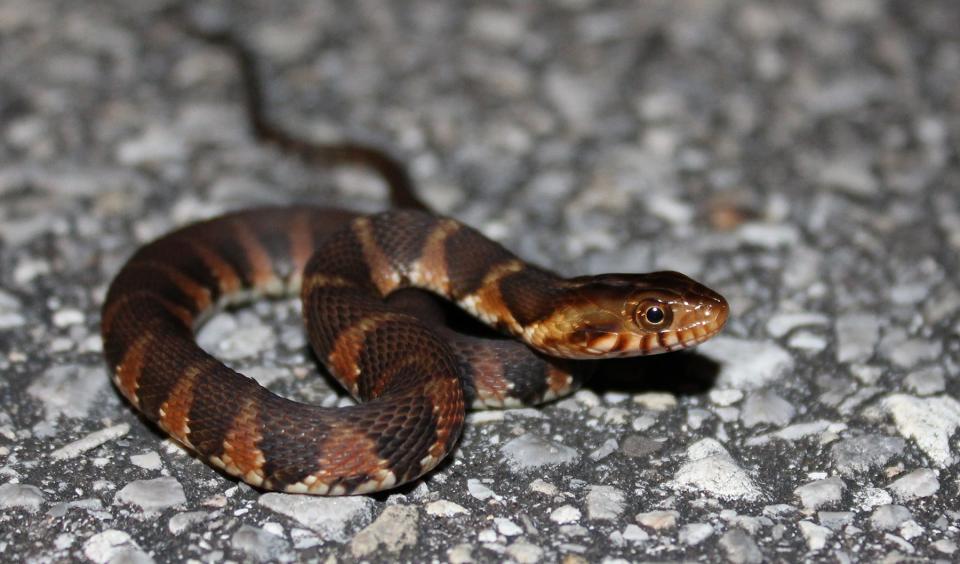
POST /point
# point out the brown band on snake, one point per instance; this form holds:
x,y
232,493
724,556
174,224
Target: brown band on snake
x,y
412,375
414,380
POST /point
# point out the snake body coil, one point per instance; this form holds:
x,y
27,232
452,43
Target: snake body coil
x,y
413,381
412,376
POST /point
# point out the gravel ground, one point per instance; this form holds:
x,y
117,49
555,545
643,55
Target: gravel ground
x,y
801,158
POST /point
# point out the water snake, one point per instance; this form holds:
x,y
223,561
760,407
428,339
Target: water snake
x,y
412,377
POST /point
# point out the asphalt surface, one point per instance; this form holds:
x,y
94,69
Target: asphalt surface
x,y
800,158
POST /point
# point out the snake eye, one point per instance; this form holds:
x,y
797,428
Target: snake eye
x,y
653,315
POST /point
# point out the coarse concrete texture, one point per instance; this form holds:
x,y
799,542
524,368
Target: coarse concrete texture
x,y
799,157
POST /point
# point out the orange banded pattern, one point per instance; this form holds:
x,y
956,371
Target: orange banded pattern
x,y
412,376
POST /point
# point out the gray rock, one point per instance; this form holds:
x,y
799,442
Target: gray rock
x,y
68,389
328,516
928,421
658,520
909,353
818,493
478,490
152,495
112,546
860,454
782,323
260,545
766,407
529,451
565,514
524,552
694,533
21,496
506,527
89,442
606,449
946,546
395,529
815,535
182,521
712,470
926,381
605,503
747,364
740,547
638,446
857,335
916,484
889,517
835,520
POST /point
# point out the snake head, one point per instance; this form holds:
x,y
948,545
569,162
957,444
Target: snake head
x,y
621,315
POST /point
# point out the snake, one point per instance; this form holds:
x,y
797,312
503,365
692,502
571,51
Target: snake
x,y
362,281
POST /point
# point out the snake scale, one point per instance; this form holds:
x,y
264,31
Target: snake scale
x,y
412,376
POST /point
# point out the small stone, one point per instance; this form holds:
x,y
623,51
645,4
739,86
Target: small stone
x,y
461,554
916,484
910,529
68,389
815,535
444,508
477,489
835,520
908,353
848,175
656,401
658,520
260,545
606,449
768,235
68,316
638,446
860,454
525,552
711,469
157,144
740,547
147,461
395,529
182,521
747,364
868,498
152,495
506,527
766,407
694,533
945,546
565,514
605,503
926,381
857,335
929,421
725,397
889,517
529,451
89,442
807,341
820,492
113,546
543,487
780,324
22,496
635,534
328,516
643,423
